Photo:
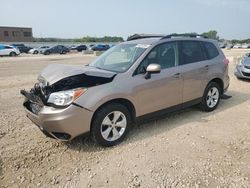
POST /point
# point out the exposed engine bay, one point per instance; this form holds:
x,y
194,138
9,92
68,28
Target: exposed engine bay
x,y
38,96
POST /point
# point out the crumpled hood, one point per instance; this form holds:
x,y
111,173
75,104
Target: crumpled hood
x,y
55,72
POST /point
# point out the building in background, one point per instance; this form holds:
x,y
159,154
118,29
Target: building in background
x,y
16,34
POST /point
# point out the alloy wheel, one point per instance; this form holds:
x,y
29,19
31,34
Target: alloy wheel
x,y
113,126
212,97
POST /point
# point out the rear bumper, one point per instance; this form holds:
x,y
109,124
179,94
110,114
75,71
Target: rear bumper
x,y
63,124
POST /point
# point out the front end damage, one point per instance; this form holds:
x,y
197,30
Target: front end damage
x,y
66,122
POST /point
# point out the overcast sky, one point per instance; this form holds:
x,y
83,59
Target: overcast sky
x,y
77,18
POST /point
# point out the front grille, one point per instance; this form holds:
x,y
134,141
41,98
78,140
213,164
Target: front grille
x,y
246,74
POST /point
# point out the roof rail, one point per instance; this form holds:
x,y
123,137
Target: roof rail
x,y
143,36
184,35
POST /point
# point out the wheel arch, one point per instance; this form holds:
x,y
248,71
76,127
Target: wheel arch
x,y
220,82
127,103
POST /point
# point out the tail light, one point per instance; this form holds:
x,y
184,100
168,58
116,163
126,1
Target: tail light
x,y
226,61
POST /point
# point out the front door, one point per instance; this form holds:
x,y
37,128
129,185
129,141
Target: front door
x,y
163,89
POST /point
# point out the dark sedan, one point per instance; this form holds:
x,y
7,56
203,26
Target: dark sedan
x,y
100,47
22,48
59,49
79,48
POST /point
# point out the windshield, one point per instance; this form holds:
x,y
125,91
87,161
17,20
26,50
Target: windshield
x,y
119,58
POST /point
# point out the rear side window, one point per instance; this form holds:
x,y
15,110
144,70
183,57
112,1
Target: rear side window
x,y
212,51
190,52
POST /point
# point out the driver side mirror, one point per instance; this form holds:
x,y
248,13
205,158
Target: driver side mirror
x,y
152,69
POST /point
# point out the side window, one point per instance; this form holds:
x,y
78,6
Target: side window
x,y
211,50
190,52
163,54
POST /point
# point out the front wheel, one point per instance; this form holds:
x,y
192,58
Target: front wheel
x,y
111,124
211,97
12,54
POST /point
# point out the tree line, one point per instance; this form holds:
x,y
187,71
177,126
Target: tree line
x,y
86,39
212,34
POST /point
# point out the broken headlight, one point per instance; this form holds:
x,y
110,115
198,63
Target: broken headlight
x,y
65,98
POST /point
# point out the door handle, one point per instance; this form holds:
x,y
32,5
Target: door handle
x,y
177,75
206,67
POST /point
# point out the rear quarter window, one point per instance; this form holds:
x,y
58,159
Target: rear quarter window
x,y
211,50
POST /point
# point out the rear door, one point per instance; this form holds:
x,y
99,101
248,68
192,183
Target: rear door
x,y
193,68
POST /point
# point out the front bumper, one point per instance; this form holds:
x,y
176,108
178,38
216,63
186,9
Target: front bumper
x,y
242,72
63,124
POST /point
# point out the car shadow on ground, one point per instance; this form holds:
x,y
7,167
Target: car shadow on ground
x,y
163,123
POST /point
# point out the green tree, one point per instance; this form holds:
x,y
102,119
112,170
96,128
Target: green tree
x,y
212,34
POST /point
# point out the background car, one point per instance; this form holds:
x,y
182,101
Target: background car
x,y
22,48
245,46
237,46
222,45
58,49
7,50
242,69
38,50
100,47
79,48
229,46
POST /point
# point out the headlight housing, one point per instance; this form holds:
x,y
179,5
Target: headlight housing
x,y
65,98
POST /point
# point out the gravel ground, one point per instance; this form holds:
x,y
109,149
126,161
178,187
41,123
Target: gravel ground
x,y
186,149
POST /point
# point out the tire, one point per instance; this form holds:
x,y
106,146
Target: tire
x,y
63,52
211,97
36,52
12,54
108,134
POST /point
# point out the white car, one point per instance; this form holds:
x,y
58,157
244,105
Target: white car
x,y
237,46
245,46
38,50
7,50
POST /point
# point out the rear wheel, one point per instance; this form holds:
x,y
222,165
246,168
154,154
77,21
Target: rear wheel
x,y
35,52
12,54
111,124
211,97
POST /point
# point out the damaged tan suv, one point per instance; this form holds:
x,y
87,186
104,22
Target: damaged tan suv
x,y
146,75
